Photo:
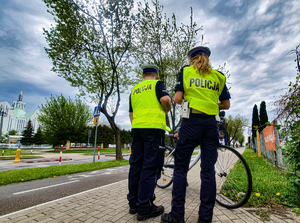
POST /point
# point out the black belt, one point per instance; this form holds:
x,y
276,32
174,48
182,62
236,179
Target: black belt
x,y
199,114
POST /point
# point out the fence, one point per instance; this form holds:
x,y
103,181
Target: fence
x,y
15,146
274,156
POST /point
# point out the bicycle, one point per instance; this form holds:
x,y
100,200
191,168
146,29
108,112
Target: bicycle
x,y
233,191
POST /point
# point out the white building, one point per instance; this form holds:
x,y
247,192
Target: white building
x,y
16,118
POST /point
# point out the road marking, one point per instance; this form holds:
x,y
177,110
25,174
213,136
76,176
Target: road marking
x,y
41,188
60,199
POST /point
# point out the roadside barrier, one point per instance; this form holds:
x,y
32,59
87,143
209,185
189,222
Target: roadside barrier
x,y
3,150
61,148
98,153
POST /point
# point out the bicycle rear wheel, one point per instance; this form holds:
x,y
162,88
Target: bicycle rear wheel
x,y
166,178
233,178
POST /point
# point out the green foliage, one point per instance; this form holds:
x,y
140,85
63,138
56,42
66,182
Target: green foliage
x,y
89,47
263,117
12,132
270,185
165,44
235,128
62,119
255,121
27,134
292,146
289,109
126,136
38,137
106,136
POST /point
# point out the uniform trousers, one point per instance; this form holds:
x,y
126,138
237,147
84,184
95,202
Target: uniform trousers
x,y
146,161
197,130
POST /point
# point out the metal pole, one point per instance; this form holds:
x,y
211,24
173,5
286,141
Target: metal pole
x,y
2,114
89,135
95,143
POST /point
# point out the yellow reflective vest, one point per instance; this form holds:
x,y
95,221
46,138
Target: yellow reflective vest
x,y
147,111
203,93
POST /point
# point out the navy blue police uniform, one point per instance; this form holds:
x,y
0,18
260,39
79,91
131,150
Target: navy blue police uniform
x,y
199,129
146,161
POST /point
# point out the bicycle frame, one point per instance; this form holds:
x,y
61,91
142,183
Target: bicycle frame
x,y
195,161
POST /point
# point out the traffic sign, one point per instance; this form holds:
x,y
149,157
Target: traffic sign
x,y
97,111
96,119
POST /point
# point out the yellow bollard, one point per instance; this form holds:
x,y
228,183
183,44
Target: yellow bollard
x,y
129,150
258,144
18,154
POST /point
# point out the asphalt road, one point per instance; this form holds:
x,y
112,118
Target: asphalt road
x,y
23,195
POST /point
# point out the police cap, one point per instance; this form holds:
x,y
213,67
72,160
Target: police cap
x,y
150,68
198,51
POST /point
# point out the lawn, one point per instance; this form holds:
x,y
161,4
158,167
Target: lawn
x,y
27,174
9,154
270,185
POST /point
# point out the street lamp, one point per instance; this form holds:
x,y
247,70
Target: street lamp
x,y
3,113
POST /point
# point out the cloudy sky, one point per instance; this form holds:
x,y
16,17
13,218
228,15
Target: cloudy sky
x,y
251,37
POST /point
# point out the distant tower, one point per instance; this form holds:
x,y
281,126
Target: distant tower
x,y
19,103
21,96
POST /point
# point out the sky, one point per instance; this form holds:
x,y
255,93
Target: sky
x,y
251,37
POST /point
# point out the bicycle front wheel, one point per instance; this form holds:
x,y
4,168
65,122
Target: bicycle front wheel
x,y
166,178
233,178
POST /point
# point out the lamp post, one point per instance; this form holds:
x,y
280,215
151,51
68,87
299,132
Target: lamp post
x,y
3,113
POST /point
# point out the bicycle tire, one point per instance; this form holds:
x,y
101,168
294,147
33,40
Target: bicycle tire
x,y
166,178
233,190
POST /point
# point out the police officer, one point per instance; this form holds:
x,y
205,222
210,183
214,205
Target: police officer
x,y
148,105
205,90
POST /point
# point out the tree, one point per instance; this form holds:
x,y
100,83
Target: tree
x,y
126,136
89,48
164,44
241,138
27,134
38,138
263,116
235,127
288,109
62,119
255,121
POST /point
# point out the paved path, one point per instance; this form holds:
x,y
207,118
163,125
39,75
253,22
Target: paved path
x,y
108,204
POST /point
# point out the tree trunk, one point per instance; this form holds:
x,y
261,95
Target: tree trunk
x,y
118,145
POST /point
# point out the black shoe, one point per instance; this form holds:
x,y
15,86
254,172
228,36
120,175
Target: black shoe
x,y
202,221
167,218
156,211
133,210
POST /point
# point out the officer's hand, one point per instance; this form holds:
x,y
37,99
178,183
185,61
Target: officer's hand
x,y
176,135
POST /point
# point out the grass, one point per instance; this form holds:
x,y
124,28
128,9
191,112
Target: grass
x,y
21,157
270,185
89,152
28,174
9,154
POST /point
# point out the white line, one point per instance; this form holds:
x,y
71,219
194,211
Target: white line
x,y
41,188
39,205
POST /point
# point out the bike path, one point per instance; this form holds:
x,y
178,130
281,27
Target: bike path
x,y
108,204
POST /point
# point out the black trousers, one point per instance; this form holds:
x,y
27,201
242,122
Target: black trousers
x,y
146,161
196,131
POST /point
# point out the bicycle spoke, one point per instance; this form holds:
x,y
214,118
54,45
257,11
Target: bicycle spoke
x,y
233,190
